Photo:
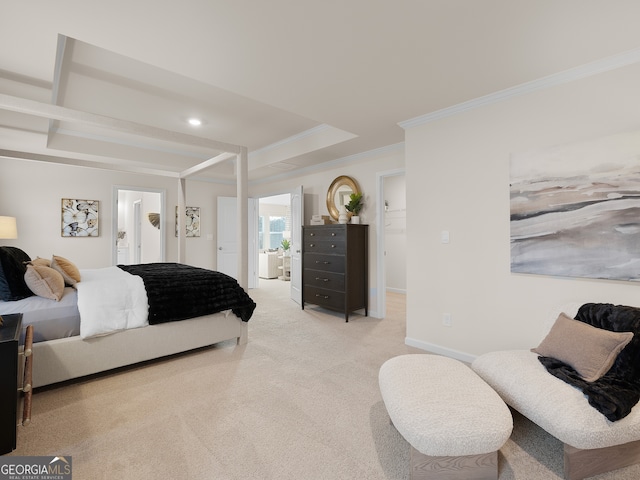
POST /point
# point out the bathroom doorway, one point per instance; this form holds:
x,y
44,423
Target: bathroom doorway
x,y
139,225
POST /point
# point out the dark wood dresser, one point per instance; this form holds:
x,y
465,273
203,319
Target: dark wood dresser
x,y
335,267
15,376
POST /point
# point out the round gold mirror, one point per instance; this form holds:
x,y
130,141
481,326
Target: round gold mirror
x,y
338,194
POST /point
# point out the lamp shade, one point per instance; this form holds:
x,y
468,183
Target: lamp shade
x,y
8,228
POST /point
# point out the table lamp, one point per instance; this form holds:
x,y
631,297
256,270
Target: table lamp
x,y
8,229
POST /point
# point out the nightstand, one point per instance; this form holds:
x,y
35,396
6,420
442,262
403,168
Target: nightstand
x,y
10,369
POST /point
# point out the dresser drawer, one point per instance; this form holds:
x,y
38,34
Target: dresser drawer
x,y
336,246
323,233
323,297
321,279
327,263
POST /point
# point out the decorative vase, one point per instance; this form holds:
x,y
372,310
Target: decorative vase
x,y
343,218
355,219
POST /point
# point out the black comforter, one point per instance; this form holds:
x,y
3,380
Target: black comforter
x,y
177,292
614,394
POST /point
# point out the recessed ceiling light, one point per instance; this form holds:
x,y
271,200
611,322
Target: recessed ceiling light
x,y
195,122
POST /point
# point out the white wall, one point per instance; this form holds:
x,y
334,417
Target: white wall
x,y
363,169
457,172
32,191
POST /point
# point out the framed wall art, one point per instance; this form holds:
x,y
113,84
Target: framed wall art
x,y
80,218
191,221
575,209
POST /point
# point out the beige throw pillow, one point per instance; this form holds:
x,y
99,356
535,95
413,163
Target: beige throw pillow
x,y
589,350
67,269
41,261
44,282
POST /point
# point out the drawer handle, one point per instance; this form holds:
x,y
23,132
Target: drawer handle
x,y
312,234
312,244
333,246
322,296
333,234
323,279
325,262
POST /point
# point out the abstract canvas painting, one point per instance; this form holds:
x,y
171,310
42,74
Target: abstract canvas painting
x,y
575,209
79,218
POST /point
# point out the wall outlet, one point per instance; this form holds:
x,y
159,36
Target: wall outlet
x,y
446,319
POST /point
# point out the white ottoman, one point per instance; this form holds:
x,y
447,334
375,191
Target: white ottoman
x,y
453,420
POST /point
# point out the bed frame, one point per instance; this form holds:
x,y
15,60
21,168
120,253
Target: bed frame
x,y
68,358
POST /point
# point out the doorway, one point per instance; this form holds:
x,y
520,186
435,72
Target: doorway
x,y
391,215
139,220
274,227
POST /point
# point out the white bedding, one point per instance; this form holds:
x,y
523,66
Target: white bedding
x,y
110,300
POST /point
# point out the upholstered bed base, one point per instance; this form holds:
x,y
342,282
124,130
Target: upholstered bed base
x,y
67,358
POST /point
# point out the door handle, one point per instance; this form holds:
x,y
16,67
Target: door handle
x,y
219,248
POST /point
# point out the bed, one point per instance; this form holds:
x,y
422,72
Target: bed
x,y
180,308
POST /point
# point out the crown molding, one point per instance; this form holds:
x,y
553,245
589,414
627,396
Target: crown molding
x,y
594,68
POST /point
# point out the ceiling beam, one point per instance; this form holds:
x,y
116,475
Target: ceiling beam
x,y
85,163
206,164
312,140
56,112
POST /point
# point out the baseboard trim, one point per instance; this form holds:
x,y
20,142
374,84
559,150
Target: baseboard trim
x,y
397,290
433,348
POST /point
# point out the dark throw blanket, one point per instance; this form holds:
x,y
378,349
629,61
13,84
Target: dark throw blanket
x,y
614,394
177,292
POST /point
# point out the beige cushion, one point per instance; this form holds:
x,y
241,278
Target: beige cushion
x,y
589,350
44,282
67,269
41,261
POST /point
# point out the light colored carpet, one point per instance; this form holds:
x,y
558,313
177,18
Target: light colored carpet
x,y
299,401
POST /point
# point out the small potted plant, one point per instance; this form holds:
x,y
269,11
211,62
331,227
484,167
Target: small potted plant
x,y
286,245
354,206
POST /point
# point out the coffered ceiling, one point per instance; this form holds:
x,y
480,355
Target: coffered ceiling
x,y
298,83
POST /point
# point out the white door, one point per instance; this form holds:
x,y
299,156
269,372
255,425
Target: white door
x,y
137,233
227,255
253,208
297,219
